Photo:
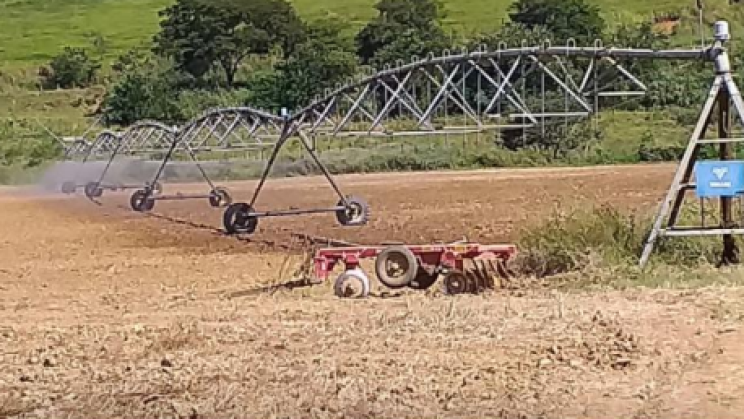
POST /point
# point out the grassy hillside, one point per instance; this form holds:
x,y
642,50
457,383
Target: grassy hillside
x,y
32,31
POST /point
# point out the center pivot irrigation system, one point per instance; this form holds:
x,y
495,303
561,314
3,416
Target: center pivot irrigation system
x,y
509,91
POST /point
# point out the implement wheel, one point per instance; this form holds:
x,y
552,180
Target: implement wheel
x,y
237,219
141,201
354,214
456,282
93,190
352,284
423,280
396,267
220,197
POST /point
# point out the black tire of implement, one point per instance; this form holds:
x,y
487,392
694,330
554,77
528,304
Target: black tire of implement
x,y
236,220
381,265
423,280
456,283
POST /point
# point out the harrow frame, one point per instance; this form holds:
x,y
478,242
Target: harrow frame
x,y
423,266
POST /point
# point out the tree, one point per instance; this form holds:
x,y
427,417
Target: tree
x,y
149,89
72,68
401,29
409,43
326,58
198,34
511,34
564,18
558,139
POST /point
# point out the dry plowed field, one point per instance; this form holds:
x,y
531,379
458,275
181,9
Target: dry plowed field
x,y
109,313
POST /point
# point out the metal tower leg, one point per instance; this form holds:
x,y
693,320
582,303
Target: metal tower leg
x,y
723,93
730,252
110,161
680,183
287,132
305,142
161,169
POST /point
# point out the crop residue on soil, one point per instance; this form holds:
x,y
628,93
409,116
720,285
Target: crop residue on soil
x,y
108,313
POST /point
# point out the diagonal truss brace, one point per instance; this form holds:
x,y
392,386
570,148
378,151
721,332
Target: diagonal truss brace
x,y
290,129
723,92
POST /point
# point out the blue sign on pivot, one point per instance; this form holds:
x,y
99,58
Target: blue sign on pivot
x,y
719,178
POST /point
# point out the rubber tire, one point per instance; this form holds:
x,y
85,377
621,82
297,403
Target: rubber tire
x,y
405,279
456,283
69,188
220,197
360,217
423,280
93,190
235,221
140,201
356,275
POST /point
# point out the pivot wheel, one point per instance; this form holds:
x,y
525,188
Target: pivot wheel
x,y
141,201
220,197
396,267
238,219
355,212
93,190
455,282
69,187
352,284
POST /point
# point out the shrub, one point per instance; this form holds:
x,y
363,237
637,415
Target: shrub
x,y
71,68
150,89
602,237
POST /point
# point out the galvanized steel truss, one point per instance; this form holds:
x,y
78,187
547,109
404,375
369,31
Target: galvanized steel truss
x,y
481,90
467,92
453,93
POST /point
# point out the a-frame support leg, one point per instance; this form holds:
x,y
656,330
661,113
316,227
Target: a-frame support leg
x,y
730,252
680,184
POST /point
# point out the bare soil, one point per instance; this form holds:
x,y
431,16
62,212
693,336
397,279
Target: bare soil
x,y
109,313
487,206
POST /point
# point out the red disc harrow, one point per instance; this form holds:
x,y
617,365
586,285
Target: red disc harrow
x,y
417,267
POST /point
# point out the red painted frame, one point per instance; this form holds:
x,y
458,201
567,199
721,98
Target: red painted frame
x,y
450,256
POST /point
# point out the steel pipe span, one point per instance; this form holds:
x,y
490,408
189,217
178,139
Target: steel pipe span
x,y
507,89
546,50
133,139
455,93
216,129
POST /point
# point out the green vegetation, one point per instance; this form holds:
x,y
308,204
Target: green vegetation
x,y
72,68
601,247
170,59
34,31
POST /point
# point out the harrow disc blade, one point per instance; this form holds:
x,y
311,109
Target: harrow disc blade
x,y
488,274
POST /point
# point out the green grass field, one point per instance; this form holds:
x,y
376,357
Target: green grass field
x,y
32,31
